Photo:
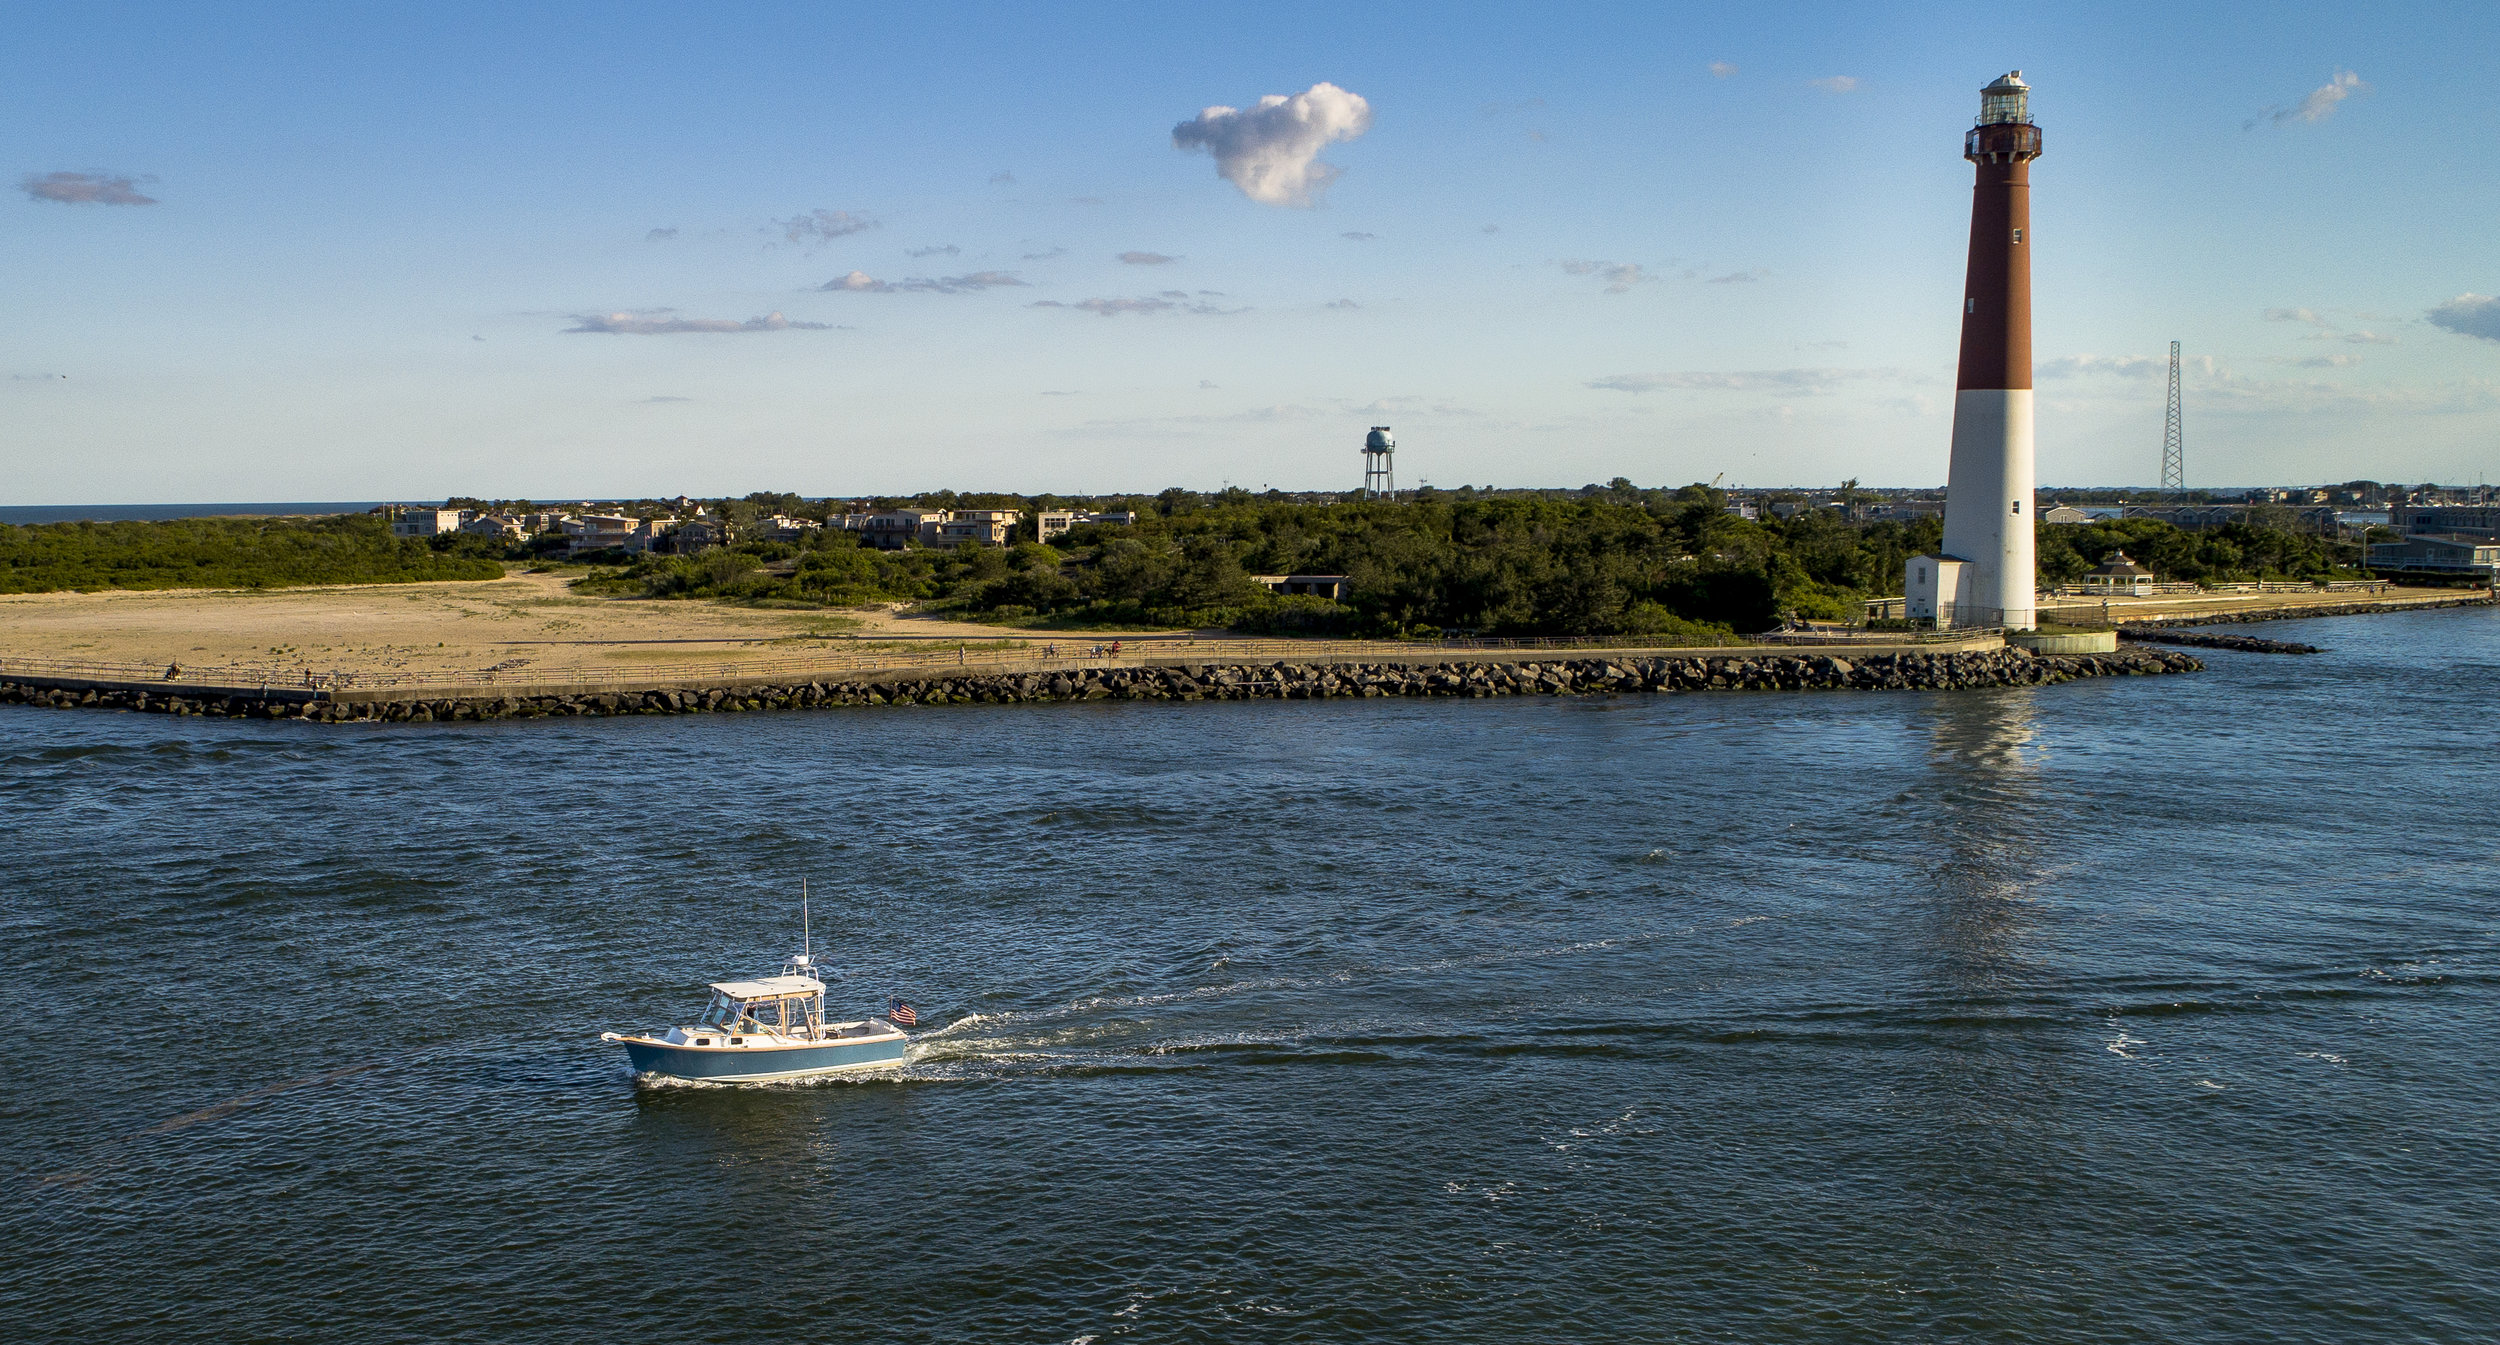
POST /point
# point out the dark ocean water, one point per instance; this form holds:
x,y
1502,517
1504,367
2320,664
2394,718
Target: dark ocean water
x,y
2146,1009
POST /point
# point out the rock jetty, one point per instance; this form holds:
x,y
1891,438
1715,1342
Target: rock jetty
x,y
2247,644
1787,671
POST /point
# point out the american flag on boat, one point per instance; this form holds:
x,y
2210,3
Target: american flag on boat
x,y
899,1014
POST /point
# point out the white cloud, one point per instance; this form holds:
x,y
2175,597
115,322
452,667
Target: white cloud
x,y
936,250
2476,315
1620,277
860,282
2367,339
2321,101
2316,361
1271,152
1721,69
657,322
1146,258
1170,301
1791,382
2307,315
85,188
823,226
1836,84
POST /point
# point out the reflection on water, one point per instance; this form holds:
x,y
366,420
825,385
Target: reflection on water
x,y
1986,828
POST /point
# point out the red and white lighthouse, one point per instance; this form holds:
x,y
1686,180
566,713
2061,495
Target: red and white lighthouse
x,y
1985,576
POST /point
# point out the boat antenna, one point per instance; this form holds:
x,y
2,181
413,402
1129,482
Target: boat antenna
x,y
807,941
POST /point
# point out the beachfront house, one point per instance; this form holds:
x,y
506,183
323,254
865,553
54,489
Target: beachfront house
x,y
979,527
893,529
613,532
427,522
1051,523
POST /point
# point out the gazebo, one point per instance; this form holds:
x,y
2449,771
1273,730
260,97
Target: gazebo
x,y
2118,577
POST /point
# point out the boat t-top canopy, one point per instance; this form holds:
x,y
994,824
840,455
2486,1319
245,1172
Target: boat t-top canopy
x,y
772,987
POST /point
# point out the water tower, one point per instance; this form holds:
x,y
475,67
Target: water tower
x,y
1379,483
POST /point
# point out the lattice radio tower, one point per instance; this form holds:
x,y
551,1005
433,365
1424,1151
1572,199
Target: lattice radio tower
x,y
2173,440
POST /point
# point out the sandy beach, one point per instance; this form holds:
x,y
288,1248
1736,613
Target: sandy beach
x,y
523,620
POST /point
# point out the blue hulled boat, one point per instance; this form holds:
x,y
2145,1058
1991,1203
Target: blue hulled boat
x,y
772,1028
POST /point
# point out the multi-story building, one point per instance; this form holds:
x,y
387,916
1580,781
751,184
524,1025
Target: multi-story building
x,y
892,529
2432,553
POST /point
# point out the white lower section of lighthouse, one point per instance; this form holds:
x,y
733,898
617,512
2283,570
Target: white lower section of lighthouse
x,y
1985,576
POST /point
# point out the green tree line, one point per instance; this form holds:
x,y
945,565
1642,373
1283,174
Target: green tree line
x,y
222,553
1616,560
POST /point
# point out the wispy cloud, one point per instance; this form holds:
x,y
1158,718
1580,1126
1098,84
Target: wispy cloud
x,y
657,235
1170,301
2325,327
1357,236
668,399
85,188
657,322
1836,83
1343,303
823,226
1147,258
1721,69
1045,256
2120,366
1788,382
1739,277
2319,104
1002,178
1498,109
1490,229
936,250
860,282
1620,277
2475,315
1271,152
2315,361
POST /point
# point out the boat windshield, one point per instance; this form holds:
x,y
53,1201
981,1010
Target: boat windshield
x,y
722,1012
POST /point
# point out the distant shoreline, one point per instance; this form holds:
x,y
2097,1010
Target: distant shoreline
x,y
24,515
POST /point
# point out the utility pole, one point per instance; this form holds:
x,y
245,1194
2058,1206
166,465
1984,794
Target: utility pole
x,y
2173,440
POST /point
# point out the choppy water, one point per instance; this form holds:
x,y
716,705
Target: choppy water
x,y
2150,1009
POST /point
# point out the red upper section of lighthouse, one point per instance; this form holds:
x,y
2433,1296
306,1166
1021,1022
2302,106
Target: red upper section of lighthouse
x,y
1996,294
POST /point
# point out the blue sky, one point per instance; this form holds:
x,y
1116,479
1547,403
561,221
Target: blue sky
x,y
374,237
